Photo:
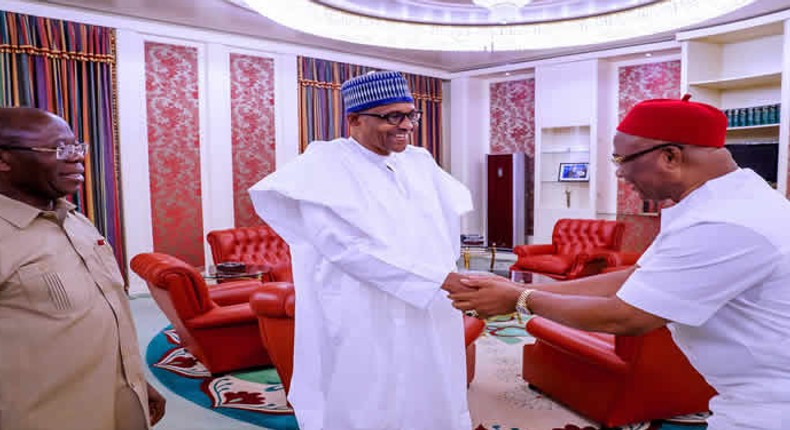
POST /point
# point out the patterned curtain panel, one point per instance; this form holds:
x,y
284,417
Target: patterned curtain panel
x,y
69,69
321,105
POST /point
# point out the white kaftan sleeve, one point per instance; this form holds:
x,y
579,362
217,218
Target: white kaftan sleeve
x,y
691,274
362,257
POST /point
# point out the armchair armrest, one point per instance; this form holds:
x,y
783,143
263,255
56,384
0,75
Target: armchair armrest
x,y
234,292
223,316
590,262
623,258
524,250
274,300
597,348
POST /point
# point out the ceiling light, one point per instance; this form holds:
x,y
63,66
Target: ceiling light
x,y
503,11
662,16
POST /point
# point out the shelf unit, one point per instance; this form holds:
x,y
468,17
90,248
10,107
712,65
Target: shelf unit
x,y
564,145
754,127
566,132
741,66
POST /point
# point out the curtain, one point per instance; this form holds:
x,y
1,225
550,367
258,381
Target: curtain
x,y
68,69
321,115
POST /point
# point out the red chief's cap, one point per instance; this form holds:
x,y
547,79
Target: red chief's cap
x,y
679,121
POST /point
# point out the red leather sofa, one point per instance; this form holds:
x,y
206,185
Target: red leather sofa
x,y
216,326
274,304
579,247
253,245
613,380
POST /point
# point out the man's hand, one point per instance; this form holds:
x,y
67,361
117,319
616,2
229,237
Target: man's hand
x,y
452,283
488,295
156,404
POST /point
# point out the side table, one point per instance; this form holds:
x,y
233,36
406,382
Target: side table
x,y
258,272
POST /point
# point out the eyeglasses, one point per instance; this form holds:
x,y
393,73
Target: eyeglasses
x,y
396,118
62,152
619,160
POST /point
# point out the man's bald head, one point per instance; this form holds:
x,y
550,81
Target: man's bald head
x,y
18,124
30,170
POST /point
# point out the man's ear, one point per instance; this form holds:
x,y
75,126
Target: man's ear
x,y
353,119
673,156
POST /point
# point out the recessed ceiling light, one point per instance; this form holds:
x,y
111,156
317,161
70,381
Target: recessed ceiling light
x,y
318,19
648,54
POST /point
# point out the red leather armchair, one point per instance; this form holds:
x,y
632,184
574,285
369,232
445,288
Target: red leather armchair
x,y
274,304
579,247
253,245
217,326
613,380
473,327
275,307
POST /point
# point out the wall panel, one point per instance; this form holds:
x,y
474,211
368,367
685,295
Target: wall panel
x,y
171,77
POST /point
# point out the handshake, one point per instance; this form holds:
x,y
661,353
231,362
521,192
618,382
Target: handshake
x,y
482,295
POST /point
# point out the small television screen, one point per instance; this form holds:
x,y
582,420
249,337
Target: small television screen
x,y
574,172
763,158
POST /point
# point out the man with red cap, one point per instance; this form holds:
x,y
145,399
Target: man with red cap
x,y
717,275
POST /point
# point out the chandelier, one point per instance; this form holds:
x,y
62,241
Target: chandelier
x,y
313,17
503,11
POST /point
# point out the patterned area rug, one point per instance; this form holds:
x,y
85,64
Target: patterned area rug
x,y
498,398
256,397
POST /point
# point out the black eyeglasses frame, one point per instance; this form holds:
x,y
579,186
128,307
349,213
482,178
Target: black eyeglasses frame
x,y
396,118
619,160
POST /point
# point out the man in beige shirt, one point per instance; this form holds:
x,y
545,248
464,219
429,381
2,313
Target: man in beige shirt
x,y
68,348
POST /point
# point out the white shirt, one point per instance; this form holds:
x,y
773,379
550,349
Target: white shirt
x,y
378,345
720,271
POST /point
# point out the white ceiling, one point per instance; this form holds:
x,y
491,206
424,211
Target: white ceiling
x,y
224,16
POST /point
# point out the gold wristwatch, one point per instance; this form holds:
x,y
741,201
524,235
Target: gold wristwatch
x,y
521,303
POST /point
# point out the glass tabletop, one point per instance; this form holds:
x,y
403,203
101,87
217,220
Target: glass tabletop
x,y
254,271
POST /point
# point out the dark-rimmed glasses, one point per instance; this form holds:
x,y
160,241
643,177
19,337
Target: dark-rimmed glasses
x,y
395,118
62,152
619,160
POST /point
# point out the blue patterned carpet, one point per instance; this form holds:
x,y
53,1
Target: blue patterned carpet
x,y
257,397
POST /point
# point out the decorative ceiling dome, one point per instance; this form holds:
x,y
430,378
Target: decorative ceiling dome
x,y
503,11
488,25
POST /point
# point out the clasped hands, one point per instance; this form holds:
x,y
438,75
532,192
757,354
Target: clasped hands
x,y
486,295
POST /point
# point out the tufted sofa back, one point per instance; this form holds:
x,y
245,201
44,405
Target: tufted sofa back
x,y
252,245
572,236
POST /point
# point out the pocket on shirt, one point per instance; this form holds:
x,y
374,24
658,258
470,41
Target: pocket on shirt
x,y
52,292
107,259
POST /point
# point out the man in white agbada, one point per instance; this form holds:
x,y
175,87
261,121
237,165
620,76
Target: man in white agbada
x,y
373,227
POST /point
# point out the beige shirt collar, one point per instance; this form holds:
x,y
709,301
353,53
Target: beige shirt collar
x,y
22,214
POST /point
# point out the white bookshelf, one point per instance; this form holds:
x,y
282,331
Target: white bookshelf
x,y
567,131
563,145
743,66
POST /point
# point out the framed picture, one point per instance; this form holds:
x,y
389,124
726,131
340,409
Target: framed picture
x,y
574,172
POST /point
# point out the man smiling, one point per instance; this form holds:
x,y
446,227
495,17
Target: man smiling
x,y
717,275
372,223
68,350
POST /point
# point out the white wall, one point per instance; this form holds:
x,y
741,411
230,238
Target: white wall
x,y
214,104
469,139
